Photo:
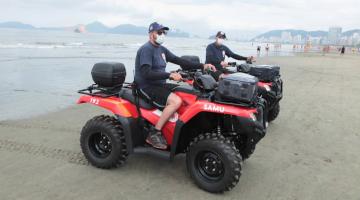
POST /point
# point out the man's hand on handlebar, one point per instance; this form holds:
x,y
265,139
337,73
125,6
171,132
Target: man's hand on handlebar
x,y
175,76
250,59
210,67
224,64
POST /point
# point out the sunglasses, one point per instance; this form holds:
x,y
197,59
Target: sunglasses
x,y
160,32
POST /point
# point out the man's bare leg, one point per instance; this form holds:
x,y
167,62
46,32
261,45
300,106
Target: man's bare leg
x,y
156,138
173,103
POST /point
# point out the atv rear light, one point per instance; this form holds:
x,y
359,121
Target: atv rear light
x,y
253,116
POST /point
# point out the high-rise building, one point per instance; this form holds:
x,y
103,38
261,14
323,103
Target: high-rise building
x,y
297,39
286,36
334,35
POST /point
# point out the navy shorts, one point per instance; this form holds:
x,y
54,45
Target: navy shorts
x,y
159,93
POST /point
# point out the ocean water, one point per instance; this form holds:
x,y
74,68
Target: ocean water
x,y
40,71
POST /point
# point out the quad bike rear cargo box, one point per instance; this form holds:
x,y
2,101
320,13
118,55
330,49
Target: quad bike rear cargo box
x,y
237,88
109,74
265,73
193,59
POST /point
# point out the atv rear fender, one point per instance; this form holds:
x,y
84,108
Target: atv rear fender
x,y
117,106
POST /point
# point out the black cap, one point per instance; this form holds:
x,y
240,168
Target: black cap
x,y
156,26
220,34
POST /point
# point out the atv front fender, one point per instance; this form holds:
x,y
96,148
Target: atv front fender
x,y
117,106
206,106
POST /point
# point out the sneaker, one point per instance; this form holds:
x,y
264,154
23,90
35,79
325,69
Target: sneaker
x,y
156,139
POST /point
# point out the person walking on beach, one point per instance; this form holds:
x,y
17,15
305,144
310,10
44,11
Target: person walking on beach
x,y
343,50
267,49
215,55
150,78
258,50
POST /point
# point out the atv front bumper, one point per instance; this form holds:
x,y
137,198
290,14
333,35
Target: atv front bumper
x,y
273,96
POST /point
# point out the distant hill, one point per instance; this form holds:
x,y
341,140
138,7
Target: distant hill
x,y
178,33
140,30
97,27
16,25
351,32
129,29
212,37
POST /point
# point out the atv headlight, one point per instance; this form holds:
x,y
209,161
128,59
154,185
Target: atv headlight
x,y
253,116
267,88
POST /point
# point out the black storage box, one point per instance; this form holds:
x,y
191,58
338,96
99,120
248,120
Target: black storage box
x,y
193,59
109,74
265,73
237,88
205,82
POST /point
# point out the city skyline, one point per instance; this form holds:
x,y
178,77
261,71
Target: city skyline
x,y
334,36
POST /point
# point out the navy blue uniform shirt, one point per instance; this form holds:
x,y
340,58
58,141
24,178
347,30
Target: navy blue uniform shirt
x,y
215,54
150,64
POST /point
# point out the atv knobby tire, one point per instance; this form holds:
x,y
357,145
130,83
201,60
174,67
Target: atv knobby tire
x,y
274,112
213,162
103,143
245,149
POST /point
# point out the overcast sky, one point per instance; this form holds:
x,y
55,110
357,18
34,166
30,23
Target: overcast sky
x,y
201,17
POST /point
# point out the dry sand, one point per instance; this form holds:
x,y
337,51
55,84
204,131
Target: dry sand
x,y
310,152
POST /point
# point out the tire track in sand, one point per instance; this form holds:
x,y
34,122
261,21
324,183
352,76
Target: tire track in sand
x,y
58,154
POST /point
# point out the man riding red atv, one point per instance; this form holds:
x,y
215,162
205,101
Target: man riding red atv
x,y
217,125
216,128
270,83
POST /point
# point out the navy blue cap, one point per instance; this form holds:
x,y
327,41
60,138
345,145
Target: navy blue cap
x,y
156,26
221,34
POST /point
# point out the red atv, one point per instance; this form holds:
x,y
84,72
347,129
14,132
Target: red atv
x,y
270,82
216,127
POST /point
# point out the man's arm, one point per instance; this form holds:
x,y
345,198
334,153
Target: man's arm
x,y
231,54
149,74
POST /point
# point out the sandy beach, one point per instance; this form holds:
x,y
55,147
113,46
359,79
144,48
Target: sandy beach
x,y
310,152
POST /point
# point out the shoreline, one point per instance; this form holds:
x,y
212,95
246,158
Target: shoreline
x,y
53,108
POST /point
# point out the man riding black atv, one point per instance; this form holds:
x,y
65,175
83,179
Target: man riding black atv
x,y
150,78
215,55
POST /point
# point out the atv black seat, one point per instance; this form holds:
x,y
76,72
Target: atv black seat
x,y
127,94
186,89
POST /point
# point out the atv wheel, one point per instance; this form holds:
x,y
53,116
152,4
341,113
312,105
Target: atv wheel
x,y
103,143
244,149
213,163
274,112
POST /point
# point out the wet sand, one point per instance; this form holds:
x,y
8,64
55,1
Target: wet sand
x,y
310,152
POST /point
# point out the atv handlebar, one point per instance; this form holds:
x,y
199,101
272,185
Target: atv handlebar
x,y
234,64
187,75
244,67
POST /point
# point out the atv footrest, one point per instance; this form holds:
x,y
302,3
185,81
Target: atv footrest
x,y
152,151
